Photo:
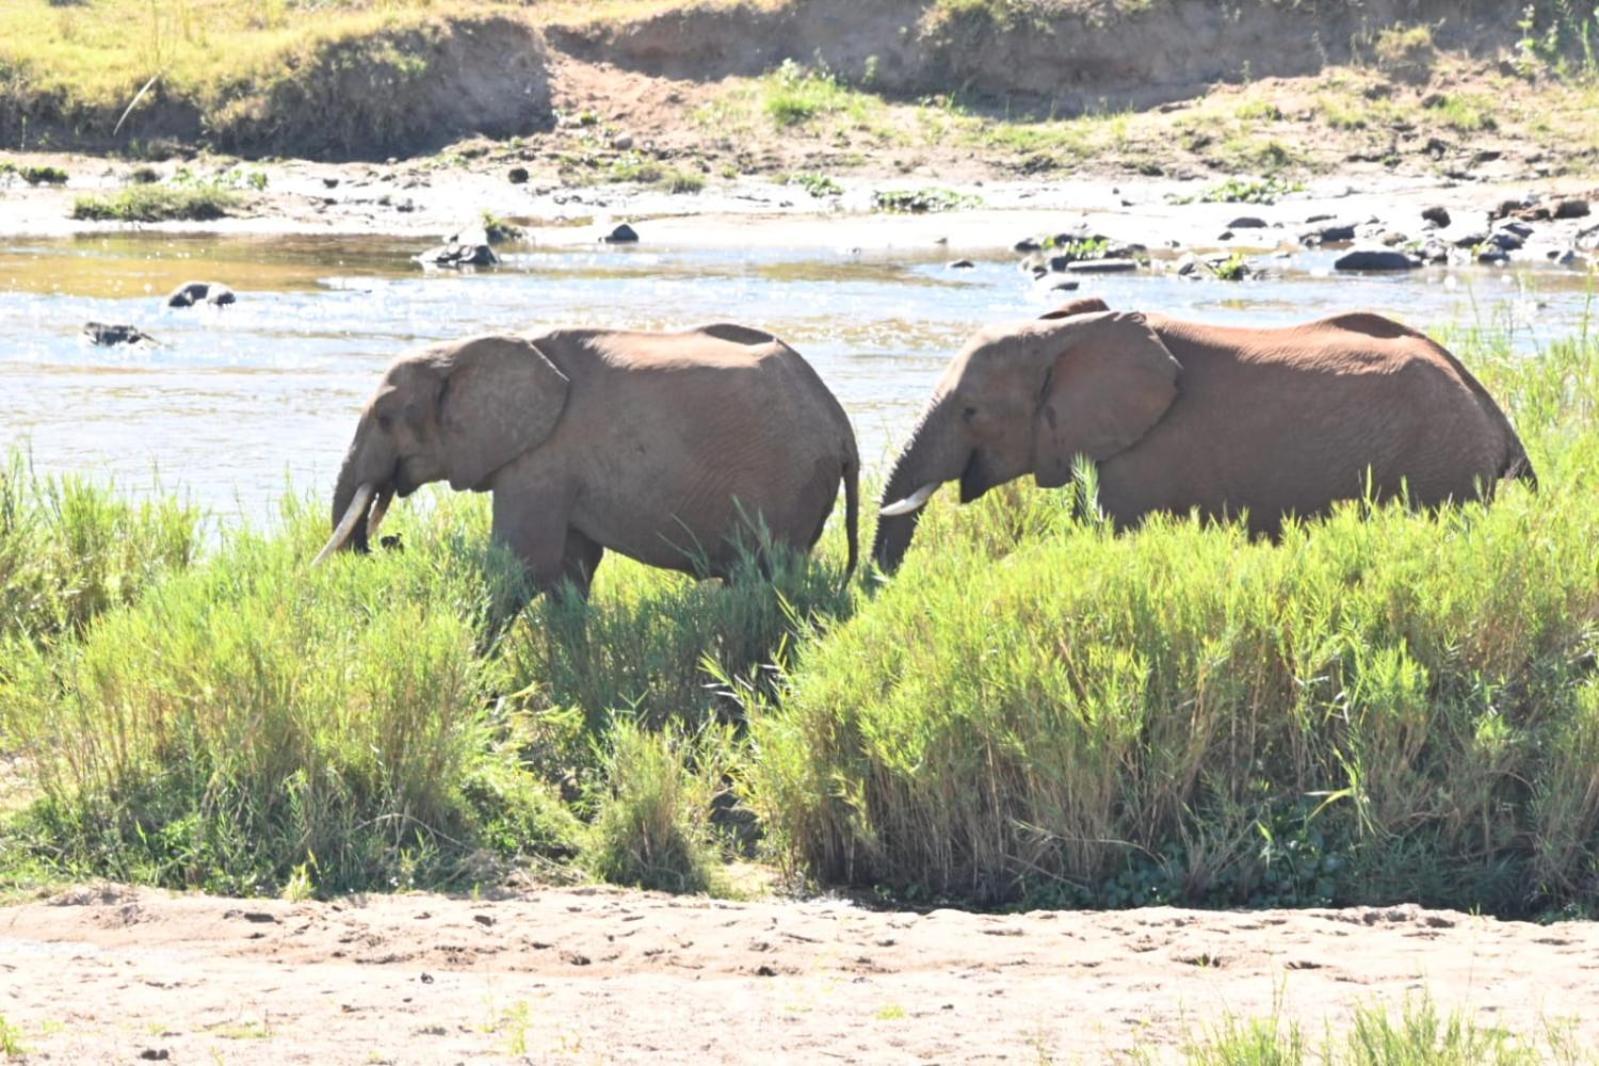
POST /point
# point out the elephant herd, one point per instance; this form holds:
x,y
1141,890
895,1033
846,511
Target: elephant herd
x,y
676,449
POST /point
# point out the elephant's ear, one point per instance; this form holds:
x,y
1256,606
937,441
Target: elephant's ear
x,y
1111,382
500,397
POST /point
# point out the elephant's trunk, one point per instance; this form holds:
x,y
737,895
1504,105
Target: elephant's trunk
x,y
345,492
935,453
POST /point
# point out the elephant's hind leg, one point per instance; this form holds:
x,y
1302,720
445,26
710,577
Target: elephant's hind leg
x,y
579,560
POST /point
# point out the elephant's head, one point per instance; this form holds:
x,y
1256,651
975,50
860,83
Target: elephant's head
x,y
1027,399
457,411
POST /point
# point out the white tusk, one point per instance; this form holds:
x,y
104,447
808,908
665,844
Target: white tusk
x,y
914,502
380,507
352,516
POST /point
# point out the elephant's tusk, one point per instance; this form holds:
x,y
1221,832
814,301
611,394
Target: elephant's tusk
x,y
914,502
380,507
352,517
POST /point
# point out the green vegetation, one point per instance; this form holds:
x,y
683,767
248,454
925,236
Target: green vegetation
x,y
11,1045
922,201
1234,268
1383,706
157,203
34,175
1419,1036
793,95
1250,191
1464,112
818,185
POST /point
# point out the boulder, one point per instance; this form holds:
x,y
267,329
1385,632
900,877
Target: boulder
x,y
1520,229
1506,240
1026,246
1363,259
1470,238
1572,209
1434,251
962,264
459,254
195,292
108,335
1247,222
623,234
518,175
1331,233
1063,285
1438,216
1103,266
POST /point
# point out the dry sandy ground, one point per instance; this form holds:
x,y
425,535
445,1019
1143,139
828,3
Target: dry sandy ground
x,y
603,975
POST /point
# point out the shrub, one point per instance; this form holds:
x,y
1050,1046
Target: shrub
x,y
157,203
251,716
652,826
1383,706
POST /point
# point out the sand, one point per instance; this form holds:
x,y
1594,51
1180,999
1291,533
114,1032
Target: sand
x,y
605,975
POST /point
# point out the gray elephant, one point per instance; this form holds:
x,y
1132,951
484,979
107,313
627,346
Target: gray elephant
x,y
662,446
1225,420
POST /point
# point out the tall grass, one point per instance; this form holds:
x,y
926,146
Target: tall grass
x,y
1383,706
1418,1034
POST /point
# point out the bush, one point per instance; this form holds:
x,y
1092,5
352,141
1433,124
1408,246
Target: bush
x,y
1384,706
652,826
70,550
157,203
251,717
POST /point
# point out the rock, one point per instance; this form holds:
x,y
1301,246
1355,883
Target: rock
x,y
1332,233
1572,209
193,292
1434,251
1438,216
518,175
1225,235
623,234
1470,238
622,142
109,335
1026,246
1520,229
1376,259
459,254
1493,256
1313,219
1506,208
155,1054
330,183
1103,266
962,264
1535,214
1506,240
1565,257
1392,238
1247,222
1063,285
1188,266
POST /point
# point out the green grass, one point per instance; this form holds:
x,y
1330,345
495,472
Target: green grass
x,y
157,203
1419,1034
1464,112
922,201
1249,191
793,95
1384,706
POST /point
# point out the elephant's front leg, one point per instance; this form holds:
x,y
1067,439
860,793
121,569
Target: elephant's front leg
x,y
533,525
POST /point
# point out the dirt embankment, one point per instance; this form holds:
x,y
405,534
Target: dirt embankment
x,y
617,976
411,90
1066,58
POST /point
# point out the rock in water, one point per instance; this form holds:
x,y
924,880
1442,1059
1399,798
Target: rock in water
x,y
962,264
193,292
1376,259
109,335
464,254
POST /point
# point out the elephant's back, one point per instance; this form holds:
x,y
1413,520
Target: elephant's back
x,y
1289,420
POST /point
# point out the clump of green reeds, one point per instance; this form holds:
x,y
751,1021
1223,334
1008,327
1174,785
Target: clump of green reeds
x,y
1385,705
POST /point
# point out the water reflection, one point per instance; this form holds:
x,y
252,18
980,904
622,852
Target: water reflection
x,y
233,404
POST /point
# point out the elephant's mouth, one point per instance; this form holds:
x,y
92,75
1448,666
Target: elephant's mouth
x,y
975,479
360,521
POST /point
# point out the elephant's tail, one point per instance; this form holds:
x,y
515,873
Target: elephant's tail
x,y
852,511
1518,467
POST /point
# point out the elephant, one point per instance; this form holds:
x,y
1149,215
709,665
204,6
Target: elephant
x,y
1228,421
665,447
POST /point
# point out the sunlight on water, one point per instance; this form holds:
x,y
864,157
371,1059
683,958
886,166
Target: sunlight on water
x,y
234,404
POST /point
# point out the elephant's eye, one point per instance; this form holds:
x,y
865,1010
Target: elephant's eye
x,y
969,413
385,423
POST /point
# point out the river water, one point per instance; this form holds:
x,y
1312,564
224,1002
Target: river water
x,y
239,404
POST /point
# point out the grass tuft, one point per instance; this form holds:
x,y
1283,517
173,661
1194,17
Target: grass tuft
x,y
157,203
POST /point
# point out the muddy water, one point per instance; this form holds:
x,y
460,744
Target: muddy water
x,y
236,404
